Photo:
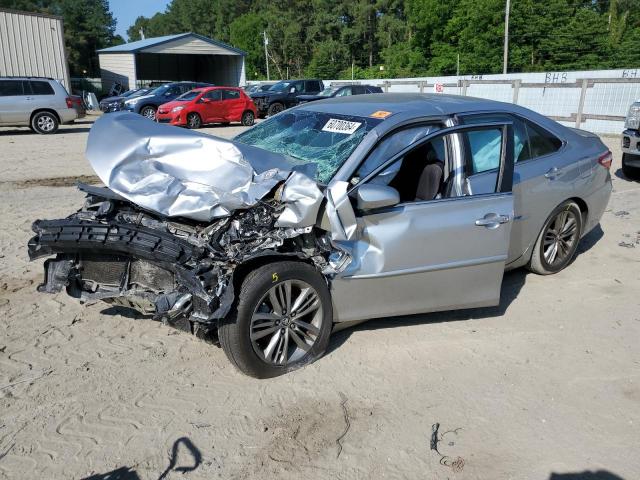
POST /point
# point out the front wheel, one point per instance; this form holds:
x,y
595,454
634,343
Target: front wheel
x,y
629,171
247,118
148,112
282,321
194,120
558,241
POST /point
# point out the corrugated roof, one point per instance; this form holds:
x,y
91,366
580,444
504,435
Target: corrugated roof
x,y
139,45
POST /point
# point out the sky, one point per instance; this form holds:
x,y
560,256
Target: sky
x,y
126,12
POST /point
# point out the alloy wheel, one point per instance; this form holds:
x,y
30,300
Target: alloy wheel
x,y
286,323
560,237
45,123
149,113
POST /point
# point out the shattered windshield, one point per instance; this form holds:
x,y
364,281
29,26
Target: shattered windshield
x,y
325,139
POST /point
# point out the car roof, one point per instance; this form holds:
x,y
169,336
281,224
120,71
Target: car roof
x,y
422,104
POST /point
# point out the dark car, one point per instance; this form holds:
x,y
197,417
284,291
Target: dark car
x,y
284,94
343,91
147,105
115,104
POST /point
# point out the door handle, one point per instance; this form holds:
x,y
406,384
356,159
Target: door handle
x,y
492,220
552,173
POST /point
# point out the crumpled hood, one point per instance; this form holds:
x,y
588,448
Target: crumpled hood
x,y
181,173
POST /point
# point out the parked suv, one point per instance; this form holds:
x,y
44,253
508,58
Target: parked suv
x,y
631,142
284,94
36,102
147,105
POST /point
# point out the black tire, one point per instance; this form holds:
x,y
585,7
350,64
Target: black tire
x,y
539,262
148,111
275,108
235,331
629,172
247,118
193,120
44,123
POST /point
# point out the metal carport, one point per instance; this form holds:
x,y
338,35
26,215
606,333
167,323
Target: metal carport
x,y
186,56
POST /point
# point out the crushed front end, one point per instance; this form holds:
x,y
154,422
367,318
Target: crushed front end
x,y
178,270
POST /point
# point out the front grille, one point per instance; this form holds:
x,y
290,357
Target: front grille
x,y
164,120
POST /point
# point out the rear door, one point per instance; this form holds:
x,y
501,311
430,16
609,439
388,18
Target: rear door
x,y
15,102
233,105
445,253
544,177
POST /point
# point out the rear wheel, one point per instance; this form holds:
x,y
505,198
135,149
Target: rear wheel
x,y
275,108
282,321
248,118
148,112
558,241
44,123
194,120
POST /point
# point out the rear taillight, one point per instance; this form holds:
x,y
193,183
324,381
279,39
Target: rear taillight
x,y
605,160
69,102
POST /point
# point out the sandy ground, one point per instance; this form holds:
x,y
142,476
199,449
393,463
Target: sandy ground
x,y
545,386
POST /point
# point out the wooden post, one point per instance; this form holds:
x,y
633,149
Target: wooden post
x,y
583,94
516,90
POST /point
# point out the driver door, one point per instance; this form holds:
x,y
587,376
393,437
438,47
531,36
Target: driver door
x,y
444,253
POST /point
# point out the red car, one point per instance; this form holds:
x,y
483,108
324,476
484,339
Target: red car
x,y
209,105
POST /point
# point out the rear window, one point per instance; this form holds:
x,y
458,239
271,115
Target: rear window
x,y
41,88
10,88
541,142
325,139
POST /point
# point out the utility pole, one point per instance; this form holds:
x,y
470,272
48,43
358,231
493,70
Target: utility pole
x,y
266,53
458,66
506,37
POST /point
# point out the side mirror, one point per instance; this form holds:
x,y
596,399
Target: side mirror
x,y
372,196
205,100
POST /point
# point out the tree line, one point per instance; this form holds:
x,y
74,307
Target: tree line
x,y
374,38
405,38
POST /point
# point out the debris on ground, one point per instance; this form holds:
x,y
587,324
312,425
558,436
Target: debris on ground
x,y
346,421
455,463
620,213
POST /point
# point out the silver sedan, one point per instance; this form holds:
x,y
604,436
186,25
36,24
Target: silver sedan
x,y
328,214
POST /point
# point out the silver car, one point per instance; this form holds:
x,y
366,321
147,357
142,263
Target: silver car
x,y
36,102
328,214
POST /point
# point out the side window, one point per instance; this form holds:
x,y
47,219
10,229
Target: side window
x,y
389,146
521,150
484,150
344,92
313,86
41,88
419,175
540,141
11,88
214,95
230,94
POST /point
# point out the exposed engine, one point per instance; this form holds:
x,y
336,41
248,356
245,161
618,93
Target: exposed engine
x,y
180,271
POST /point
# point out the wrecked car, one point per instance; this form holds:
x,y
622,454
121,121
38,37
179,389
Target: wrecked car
x,y
323,216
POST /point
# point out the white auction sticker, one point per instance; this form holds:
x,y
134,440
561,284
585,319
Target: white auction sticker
x,y
336,125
